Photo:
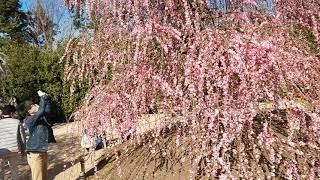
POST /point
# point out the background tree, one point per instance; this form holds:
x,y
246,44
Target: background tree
x,y
43,26
38,69
3,58
33,43
14,24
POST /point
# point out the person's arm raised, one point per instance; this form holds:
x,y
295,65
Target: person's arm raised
x,y
42,105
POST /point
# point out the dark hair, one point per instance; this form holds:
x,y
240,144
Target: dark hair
x,y
8,109
28,105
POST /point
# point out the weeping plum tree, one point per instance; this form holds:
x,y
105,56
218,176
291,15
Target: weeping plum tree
x,y
212,68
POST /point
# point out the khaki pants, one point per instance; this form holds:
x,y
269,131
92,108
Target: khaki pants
x,y
38,162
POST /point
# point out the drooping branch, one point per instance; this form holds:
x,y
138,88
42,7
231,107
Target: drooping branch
x,y
210,70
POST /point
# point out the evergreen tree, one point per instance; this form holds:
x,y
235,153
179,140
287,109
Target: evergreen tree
x,y
28,69
14,22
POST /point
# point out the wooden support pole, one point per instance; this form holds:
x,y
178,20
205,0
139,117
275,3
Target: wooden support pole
x,y
82,172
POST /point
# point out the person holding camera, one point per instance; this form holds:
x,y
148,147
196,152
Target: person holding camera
x,y
37,144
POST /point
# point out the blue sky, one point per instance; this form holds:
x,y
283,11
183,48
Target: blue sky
x,y
25,3
64,21
61,15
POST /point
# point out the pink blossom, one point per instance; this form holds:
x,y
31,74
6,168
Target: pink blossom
x,y
210,74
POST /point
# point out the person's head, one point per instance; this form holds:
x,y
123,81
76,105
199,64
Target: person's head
x,y
8,110
31,108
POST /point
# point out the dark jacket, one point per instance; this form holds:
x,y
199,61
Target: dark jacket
x,y
38,128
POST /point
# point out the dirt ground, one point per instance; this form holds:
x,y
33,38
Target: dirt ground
x,y
64,156
129,160
61,155
141,163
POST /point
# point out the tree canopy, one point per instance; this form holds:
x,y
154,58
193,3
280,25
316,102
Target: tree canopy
x,y
213,68
14,23
30,57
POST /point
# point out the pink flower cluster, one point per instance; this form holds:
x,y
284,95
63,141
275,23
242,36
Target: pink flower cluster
x,y
180,59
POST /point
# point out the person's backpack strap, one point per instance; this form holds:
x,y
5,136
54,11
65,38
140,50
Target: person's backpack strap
x,y
46,121
21,138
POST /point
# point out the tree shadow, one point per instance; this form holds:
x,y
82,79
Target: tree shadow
x,y
63,154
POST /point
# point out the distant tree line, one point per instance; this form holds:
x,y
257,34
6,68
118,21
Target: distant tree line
x,y
30,58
